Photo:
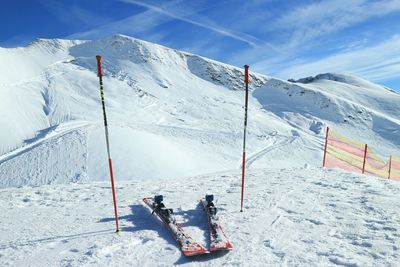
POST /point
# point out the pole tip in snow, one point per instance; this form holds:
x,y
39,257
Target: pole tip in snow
x,y
246,73
99,70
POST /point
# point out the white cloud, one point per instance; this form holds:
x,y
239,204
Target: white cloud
x,y
198,21
323,17
141,23
377,63
73,14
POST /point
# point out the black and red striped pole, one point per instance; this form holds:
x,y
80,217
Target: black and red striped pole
x,y
100,74
246,81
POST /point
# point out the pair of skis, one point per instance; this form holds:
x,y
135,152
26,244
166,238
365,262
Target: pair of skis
x,y
189,247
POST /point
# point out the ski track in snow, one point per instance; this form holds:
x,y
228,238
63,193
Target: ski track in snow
x,y
42,160
274,144
43,136
292,217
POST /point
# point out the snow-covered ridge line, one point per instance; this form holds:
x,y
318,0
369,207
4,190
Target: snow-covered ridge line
x,y
172,113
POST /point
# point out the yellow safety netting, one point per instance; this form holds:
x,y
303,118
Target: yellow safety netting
x,y
344,153
351,155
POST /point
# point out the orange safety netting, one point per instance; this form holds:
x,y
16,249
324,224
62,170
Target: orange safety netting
x,y
350,155
344,153
395,168
375,166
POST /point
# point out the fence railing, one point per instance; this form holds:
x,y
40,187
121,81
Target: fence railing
x,y
351,155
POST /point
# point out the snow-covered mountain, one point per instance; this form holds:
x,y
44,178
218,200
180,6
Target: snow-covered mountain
x,y
172,114
176,129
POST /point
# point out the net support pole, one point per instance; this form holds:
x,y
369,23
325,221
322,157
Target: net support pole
x,y
246,81
326,145
390,166
100,75
365,158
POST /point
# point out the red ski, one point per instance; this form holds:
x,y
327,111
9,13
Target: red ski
x,y
188,246
218,239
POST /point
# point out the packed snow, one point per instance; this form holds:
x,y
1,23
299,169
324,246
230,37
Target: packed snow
x,y
176,127
292,217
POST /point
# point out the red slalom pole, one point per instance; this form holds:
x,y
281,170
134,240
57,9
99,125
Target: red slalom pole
x,y
246,81
365,158
100,74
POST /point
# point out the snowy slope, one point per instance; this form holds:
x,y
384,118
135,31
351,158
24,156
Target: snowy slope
x,y
176,129
172,114
158,114
292,217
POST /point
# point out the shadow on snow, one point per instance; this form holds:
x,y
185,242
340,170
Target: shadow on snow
x,y
142,219
63,238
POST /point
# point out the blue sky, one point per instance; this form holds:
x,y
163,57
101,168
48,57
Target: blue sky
x,y
286,39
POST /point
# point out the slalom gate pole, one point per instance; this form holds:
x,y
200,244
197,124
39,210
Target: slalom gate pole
x,y
365,158
100,74
390,166
326,145
246,80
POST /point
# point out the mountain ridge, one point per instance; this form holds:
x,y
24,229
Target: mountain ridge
x,y
159,98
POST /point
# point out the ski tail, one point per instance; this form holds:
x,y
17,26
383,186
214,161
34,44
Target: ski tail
x,y
218,238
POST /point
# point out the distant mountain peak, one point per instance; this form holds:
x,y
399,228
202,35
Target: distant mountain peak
x,y
348,79
336,77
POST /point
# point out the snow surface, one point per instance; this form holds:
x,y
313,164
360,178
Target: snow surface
x,y
292,217
176,122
